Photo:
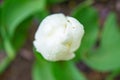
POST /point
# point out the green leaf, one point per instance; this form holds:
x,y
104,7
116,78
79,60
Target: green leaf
x,y
42,71
54,1
18,38
16,11
67,70
55,70
6,43
0,28
107,56
42,14
13,13
88,16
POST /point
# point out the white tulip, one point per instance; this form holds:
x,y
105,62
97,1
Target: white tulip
x,y
58,37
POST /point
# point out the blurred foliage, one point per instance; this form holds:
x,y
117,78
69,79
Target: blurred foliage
x,y
54,1
20,11
47,70
106,57
22,28
16,17
56,71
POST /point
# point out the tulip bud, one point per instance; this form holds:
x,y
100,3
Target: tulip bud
x,y
58,37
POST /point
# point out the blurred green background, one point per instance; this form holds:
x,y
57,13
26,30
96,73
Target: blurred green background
x,y
98,58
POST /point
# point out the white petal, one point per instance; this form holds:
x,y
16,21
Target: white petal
x,y
58,37
77,31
